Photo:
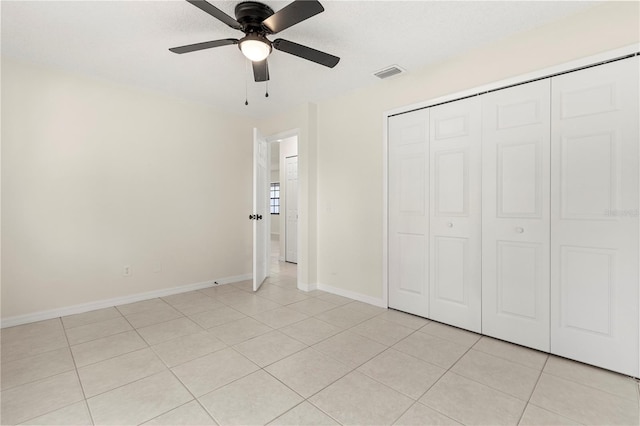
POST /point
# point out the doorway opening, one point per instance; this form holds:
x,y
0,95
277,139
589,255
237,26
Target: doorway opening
x,y
283,194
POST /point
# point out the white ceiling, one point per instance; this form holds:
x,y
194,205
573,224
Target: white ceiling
x,y
127,42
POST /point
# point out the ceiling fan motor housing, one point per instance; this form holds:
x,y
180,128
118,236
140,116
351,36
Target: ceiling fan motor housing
x,y
257,21
250,15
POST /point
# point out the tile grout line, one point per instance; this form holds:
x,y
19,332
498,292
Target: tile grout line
x,y
325,387
133,381
68,346
86,403
444,374
59,319
97,338
285,385
587,384
191,393
40,378
415,401
135,329
534,389
310,403
195,398
575,383
342,330
545,408
400,392
111,357
92,322
383,384
221,386
354,369
291,354
489,386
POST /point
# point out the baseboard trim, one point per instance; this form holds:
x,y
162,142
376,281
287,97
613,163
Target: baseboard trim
x,y
107,303
307,287
234,279
353,295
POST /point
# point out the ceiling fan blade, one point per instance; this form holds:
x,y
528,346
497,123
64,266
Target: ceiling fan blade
x,y
305,52
260,70
216,13
204,45
291,14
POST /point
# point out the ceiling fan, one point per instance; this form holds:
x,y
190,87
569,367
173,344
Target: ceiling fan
x,y
257,21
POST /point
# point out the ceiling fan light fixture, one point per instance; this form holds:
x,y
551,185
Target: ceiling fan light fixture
x,y
254,47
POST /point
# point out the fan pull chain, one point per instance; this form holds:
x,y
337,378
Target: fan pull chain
x,y
266,93
246,85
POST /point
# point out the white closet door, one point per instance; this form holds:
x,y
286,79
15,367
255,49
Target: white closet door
x,y
455,222
409,212
291,209
594,239
515,214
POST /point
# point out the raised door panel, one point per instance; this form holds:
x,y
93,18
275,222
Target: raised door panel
x,y
450,270
589,187
594,222
455,196
589,273
412,169
519,167
408,184
518,276
451,182
411,274
515,214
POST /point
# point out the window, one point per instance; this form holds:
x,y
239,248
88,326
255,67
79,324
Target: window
x,y
275,198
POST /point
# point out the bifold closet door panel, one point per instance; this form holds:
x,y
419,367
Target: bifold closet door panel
x,y
515,214
594,219
455,221
408,141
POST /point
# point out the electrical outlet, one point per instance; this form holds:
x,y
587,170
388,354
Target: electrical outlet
x,y
126,271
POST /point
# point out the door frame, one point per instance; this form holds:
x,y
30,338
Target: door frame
x,y
275,138
588,61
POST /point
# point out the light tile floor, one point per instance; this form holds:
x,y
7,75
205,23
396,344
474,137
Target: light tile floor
x,y
225,355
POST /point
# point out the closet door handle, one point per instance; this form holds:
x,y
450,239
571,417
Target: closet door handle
x,y
449,224
519,230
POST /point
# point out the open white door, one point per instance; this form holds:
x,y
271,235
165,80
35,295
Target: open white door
x,y
260,209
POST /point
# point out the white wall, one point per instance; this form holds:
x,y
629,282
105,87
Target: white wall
x,y
96,176
350,195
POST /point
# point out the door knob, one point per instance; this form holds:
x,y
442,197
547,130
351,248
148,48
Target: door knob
x,y
519,230
252,216
450,224
258,217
